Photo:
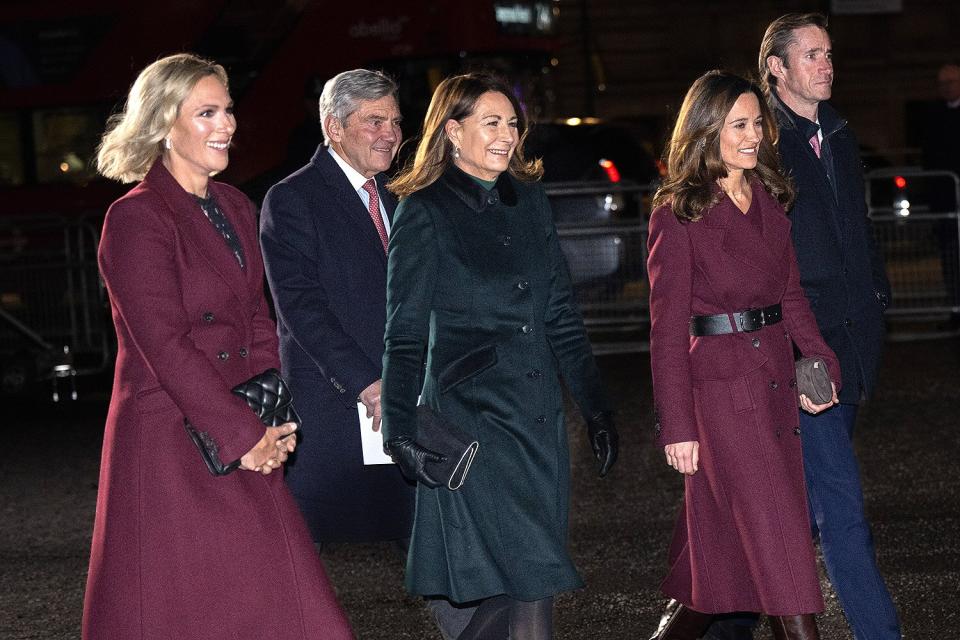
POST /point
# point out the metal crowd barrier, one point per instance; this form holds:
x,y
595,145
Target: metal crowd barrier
x,y
54,317
55,323
603,234
917,228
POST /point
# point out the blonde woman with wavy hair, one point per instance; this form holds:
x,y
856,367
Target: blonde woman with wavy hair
x,y
138,135
195,537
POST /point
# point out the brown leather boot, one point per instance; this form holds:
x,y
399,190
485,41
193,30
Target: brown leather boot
x,y
684,624
802,627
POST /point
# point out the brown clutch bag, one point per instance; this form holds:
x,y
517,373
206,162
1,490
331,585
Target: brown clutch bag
x,y
813,380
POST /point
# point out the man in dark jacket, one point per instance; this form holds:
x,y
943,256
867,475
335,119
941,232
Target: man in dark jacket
x,y
324,235
843,277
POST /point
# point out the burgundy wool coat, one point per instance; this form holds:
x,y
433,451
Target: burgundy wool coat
x,y
177,552
742,540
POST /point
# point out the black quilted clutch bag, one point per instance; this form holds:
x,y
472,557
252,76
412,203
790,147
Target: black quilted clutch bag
x,y
269,397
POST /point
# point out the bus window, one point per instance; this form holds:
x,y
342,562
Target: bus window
x,y
11,150
65,141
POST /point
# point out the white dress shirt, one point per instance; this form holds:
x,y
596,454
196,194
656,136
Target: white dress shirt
x,y
357,181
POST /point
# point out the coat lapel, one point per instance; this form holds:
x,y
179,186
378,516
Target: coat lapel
x,y
741,238
197,229
349,201
805,160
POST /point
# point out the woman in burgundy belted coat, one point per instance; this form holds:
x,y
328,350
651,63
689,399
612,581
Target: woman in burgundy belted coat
x,y
178,552
726,399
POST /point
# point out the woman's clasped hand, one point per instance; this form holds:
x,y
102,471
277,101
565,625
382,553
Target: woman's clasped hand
x,y
272,449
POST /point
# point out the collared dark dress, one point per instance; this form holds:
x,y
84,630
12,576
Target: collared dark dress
x,y
742,541
477,279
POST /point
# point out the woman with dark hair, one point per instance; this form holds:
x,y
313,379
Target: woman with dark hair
x,y
477,280
726,310
179,552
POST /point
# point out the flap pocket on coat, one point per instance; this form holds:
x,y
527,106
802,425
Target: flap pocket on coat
x,y
467,366
155,400
740,394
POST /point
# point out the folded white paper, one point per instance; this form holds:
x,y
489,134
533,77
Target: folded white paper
x,y
371,441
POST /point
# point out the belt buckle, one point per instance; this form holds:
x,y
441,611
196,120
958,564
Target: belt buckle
x,y
744,314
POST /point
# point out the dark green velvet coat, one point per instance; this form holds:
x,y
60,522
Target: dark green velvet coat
x,y
477,279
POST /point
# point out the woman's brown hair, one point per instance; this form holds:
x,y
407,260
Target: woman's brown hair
x,y
693,157
455,99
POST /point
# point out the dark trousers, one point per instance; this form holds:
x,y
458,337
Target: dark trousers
x,y
837,515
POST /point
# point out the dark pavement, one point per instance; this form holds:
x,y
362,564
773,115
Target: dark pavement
x,y
907,439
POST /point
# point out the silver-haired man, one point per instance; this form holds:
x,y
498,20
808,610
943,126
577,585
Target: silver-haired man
x,y
324,232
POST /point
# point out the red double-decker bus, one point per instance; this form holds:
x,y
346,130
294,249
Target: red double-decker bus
x,y
66,65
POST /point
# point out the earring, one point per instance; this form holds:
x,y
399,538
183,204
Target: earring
x,y
456,153
166,143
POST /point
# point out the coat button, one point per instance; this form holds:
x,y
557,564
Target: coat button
x,y
778,433
796,431
848,322
493,198
505,240
773,384
756,343
793,382
535,373
243,352
223,355
208,317
525,329
541,419
523,285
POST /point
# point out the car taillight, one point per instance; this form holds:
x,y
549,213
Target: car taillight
x,y
900,181
613,174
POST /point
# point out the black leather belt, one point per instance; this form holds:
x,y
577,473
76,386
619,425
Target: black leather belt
x,y
749,320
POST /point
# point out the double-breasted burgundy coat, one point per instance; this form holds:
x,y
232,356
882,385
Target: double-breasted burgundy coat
x,y
177,552
742,540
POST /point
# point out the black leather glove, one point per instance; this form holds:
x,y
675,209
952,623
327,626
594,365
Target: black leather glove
x,y
414,460
604,439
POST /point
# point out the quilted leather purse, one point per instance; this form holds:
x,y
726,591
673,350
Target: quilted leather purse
x,y
813,380
269,397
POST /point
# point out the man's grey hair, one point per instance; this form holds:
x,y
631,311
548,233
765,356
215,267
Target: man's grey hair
x,y
343,93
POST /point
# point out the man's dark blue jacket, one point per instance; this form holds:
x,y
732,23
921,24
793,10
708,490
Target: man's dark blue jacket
x,y
841,271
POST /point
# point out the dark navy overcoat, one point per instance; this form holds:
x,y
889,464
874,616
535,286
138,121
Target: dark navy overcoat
x,y
841,269
327,272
